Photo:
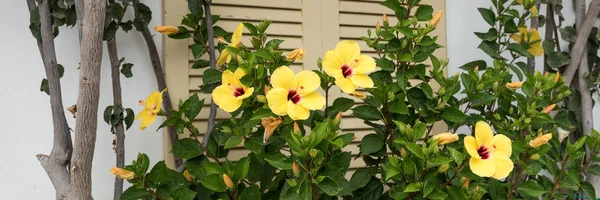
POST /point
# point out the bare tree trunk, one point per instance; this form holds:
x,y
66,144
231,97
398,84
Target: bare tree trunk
x,y
160,79
577,51
55,165
87,100
79,9
213,64
535,23
118,129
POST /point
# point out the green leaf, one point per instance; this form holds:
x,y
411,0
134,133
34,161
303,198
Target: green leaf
x,y
263,53
568,34
280,161
329,186
371,143
361,177
373,190
531,188
129,118
453,114
195,7
340,104
199,64
141,164
558,59
159,173
192,106
491,35
261,113
143,16
519,49
233,141
305,191
415,149
413,187
588,189
488,15
241,168
490,48
250,193
187,148
437,194
197,50
133,193
366,112
594,169
126,70
408,32
385,64
211,76
424,13
44,87
406,57
548,46
481,64
456,155
394,45
183,193
398,106
107,113
214,182
61,70
393,4
572,148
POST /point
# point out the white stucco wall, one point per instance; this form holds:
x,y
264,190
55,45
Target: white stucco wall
x,y
25,118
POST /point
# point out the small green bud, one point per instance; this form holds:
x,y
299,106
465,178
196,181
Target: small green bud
x,y
225,129
535,156
496,116
313,153
527,120
292,182
261,98
443,168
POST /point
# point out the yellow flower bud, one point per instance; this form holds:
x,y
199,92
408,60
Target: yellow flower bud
x,y
261,98
549,108
227,181
556,78
476,69
358,95
296,169
296,54
464,181
377,27
514,85
540,140
266,89
297,129
270,124
122,173
187,176
385,19
338,119
402,152
534,11
166,30
443,168
445,138
436,18
546,74
535,156
476,188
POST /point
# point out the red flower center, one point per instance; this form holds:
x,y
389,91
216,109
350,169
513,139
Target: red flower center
x,y
238,92
483,152
346,71
293,96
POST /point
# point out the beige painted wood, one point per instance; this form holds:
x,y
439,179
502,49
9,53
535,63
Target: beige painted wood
x,y
316,25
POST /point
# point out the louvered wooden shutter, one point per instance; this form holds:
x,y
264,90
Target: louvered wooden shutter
x,y
316,25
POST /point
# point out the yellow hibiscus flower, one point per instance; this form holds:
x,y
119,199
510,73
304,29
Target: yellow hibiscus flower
x,y
122,173
532,39
294,95
490,155
348,66
151,109
225,56
230,95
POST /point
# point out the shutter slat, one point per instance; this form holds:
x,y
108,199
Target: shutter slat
x,y
257,14
287,4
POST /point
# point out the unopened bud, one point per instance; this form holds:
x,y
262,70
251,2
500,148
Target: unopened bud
x,y
534,11
535,156
443,168
270,124
225,129
266,89
313,153
476,188
464,181
403,152
187,176
359,95
549,108
514,85
338,119
261,98
296,169
377,27
527,120
556,78
476,69
296,54
166,30
122,173
436,18
227,181
546,74
385,19
297,129
496,116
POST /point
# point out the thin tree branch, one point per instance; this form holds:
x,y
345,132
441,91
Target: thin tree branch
x,y
31,5
87,101
79,9
535,23
549,32
213,65
160,79
577,51
55,165
118,129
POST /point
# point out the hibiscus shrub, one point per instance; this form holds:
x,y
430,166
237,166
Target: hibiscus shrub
x,y
504,139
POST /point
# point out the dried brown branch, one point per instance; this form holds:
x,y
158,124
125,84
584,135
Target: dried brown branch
x,y
577,51
118,129
87,101
213,65
56,164
160,79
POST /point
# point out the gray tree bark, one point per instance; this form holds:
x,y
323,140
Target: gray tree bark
x,y
56,164
577,52
79,10
213,64
535,23
118,129
87,100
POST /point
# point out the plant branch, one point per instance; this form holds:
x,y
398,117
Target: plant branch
x,y
577,52
456,173
535,23
79,9
118,129
160,79
213,65
56,164
87,101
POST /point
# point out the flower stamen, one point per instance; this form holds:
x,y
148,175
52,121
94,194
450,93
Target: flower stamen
x,y
238,92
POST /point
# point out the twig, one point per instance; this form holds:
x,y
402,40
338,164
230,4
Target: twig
x,y
87,101
455,173
549,32
119,130
213,65
56,164
577,51
160,79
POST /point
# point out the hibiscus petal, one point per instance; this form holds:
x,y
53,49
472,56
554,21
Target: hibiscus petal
x,y
345,84
502,145
312,101
277,100
483,168
297,112
225,57
362,80
247,93
483,134
471,146
348,50
364,65
147,120
283,77
239,73
229,103
503,165
229,79
536,49
154,101
220,92
144,113
237,35
332,63
308,82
